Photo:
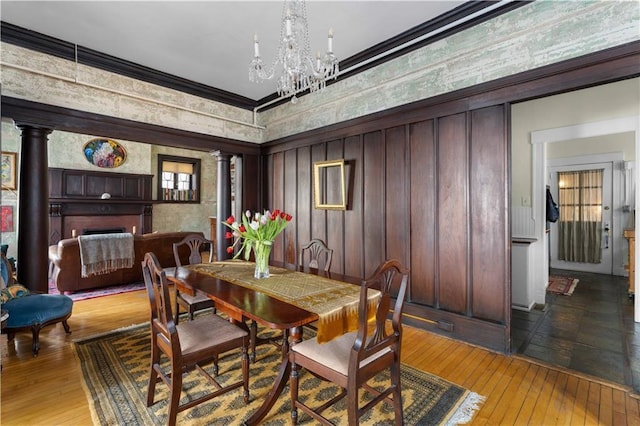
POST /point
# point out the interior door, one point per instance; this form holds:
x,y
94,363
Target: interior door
x,y
606,264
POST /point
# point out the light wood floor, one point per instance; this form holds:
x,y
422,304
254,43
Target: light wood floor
x,y
48,390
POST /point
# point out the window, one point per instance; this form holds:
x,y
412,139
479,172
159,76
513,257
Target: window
x,y
178,179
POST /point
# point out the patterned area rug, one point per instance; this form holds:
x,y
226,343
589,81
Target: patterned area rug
x,y
562,285
99,292
115,371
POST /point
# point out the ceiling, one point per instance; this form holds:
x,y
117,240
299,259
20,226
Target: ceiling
x,y
211,42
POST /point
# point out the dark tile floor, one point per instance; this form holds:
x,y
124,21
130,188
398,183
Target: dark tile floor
x,y
592,331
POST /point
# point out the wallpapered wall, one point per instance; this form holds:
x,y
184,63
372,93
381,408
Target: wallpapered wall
x,y
66,151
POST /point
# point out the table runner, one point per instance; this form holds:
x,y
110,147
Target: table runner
x,y
335,302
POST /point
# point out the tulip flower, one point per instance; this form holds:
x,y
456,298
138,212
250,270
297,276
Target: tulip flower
x,y
255,229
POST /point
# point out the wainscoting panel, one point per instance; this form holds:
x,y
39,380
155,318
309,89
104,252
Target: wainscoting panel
x,y
488,193
423,193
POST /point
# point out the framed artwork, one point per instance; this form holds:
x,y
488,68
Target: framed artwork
x,y
7,219
9,171
105,153
329,185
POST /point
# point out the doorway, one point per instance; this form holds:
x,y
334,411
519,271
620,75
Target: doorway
x,y
604,210
539,140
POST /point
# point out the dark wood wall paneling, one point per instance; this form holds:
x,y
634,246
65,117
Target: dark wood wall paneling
x,y
430,193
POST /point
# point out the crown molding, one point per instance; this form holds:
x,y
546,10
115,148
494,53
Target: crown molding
x,y
32,40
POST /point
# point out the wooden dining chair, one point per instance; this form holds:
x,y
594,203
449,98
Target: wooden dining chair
x,y
188,346
351,360
199,301
316,254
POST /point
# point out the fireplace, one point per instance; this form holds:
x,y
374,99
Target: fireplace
x,y
76,206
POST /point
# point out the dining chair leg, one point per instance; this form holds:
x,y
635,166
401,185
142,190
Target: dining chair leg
x,y
293,386
352,405
397,393
174,397
215,365
153,374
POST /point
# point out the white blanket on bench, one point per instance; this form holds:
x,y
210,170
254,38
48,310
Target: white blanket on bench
x,y
104,253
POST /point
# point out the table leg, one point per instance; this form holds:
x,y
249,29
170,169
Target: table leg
x,y
253,335
279,383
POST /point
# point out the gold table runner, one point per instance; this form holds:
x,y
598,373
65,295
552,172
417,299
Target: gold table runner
x,y
335,302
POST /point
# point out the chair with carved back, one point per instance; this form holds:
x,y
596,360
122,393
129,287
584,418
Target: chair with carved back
x,y
199,301
188,346
316,254
351,360
28,310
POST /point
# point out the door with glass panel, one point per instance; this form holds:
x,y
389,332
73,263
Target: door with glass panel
x,y
581,239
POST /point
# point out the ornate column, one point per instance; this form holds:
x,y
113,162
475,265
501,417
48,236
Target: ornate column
x,y
33,196
223,210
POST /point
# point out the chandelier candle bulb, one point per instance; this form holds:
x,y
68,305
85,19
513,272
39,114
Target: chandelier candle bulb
x,y
330,41
256,46
288,23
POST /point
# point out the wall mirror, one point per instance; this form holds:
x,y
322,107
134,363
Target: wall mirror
x,y
329,185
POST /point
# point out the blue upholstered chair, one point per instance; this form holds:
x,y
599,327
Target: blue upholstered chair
x,y
30,311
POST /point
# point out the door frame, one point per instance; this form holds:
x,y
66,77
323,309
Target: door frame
x,y
539,139
616,161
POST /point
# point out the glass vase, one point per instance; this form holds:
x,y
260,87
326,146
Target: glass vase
x,y
261,252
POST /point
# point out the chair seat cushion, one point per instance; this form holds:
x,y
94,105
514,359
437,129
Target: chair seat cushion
x,y
37,309
207,331
334,353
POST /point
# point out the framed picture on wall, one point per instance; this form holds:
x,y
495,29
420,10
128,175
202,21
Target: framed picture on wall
x,y
7,219
9,172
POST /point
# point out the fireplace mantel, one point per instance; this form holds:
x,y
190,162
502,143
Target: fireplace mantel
x,y
78,202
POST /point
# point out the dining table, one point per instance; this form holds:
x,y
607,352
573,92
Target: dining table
x,y
289,299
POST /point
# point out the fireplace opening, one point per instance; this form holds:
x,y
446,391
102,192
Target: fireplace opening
x,y
93,231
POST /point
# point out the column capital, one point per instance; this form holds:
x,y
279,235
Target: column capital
x,y
23,125
222,156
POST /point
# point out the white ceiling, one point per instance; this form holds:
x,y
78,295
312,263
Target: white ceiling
x,y
211,42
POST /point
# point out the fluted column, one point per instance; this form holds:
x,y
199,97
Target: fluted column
x,y
224,202
33,226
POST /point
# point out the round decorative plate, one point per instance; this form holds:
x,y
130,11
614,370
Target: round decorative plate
x,y
105,153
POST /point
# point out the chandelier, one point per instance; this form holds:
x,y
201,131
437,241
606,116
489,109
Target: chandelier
x,y
297,71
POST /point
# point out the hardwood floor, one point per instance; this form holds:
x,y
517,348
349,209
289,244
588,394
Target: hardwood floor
x,y
48,390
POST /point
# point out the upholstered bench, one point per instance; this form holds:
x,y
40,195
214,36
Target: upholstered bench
x,y
30,311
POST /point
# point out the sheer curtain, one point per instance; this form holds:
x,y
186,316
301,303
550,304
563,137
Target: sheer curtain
x,y
580,223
